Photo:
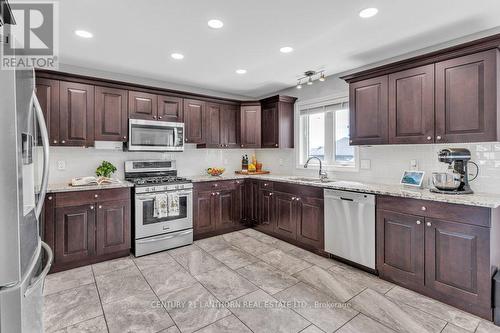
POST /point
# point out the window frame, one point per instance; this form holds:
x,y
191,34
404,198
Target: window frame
x,y
302,135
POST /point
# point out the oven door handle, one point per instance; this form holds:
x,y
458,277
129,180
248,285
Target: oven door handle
x,y
157,239
152,196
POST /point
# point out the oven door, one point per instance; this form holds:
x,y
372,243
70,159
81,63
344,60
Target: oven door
x,y
146,224
148,135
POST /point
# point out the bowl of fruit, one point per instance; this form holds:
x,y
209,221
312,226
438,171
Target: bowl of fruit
x,y
215,171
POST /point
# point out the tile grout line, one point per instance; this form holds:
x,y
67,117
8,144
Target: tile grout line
x,y
347,322
100,300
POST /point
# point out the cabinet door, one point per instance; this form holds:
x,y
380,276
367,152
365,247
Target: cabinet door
x,y
74,233
457,260
310,222
369,111
76,119
194,121
250,126
266,210
230,123
466,102
225,202
270,126
47,92
170,108
213,128
113,226
110,114
411,106
285,214
142,105
252,195
203,212
240,201
400,248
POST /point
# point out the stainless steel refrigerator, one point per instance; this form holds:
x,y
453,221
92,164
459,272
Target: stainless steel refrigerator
x,y
24,259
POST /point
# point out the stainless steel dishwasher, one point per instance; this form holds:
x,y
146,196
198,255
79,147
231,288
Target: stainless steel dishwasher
x,y
350,226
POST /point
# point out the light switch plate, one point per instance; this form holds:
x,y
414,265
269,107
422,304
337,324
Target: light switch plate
x,y
414,164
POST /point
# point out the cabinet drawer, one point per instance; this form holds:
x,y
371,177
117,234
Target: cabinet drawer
x,y
452,212
65,199
216,185
299,190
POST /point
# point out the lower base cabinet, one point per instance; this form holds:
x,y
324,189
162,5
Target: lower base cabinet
x,y
445,251
86,227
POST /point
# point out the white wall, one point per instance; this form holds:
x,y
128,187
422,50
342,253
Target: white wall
x,y
191,162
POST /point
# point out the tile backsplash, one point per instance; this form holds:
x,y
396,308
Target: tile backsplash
x,y
387,163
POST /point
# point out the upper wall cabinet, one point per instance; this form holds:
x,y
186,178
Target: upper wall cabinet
x,y
194,121
411,105
142,105
250,116
449,96
169,108
277,122
110,114
368,111
47,92
466,98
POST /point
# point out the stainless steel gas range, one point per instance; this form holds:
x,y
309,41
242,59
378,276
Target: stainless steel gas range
x,y
153,180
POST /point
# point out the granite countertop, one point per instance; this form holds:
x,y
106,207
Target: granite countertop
x,y
476,199
54,188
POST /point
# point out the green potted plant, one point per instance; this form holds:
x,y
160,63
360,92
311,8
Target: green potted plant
x,y
106,169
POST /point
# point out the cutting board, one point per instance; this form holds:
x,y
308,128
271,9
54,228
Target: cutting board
x,y
262,172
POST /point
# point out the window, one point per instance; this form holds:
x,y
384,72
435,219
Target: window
x,y
324,133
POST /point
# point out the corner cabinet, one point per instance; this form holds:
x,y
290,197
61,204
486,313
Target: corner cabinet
x,y
85,227
448,96
250,116
278,122
445,251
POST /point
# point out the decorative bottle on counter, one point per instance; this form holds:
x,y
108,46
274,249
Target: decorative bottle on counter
x,y
244,163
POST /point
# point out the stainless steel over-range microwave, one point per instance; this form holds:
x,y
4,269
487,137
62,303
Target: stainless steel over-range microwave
x,y
152,135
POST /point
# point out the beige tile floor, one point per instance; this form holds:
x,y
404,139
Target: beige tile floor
x,y
244,281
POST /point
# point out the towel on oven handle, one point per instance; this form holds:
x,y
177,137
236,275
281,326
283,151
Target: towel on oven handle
x,y
161,206
173,204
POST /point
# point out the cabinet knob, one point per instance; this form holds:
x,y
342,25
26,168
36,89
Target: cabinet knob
x,y
350,141
429,138
159,117
242,146
125,138
276,145
216,185
213,193
438,137
271,194
297,199
96,195
186,140
63,141
265,184
92,207
423,208
100,207
55,141
154,117
293,198
418,222
50,198
218,193
429,224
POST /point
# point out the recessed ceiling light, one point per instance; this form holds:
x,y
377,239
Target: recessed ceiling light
x,y
177,56
215,24
83,34
286,49
368,12
241,71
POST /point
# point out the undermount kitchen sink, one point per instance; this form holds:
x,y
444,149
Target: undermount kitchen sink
x,y
312,180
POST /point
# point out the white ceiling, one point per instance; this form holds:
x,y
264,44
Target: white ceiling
x,y
136,37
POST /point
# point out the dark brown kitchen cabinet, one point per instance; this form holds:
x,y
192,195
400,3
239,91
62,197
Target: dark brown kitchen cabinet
x,y
76,114
266,210
230,126
310,221
277,122
194,121
252,199
203,212
170,108
142,105
113,226
213,137
111,118
85,227
368,105
74,234
225,209
47,92
411,106
467,97
241,201
250,117
400,249
445,251
285,223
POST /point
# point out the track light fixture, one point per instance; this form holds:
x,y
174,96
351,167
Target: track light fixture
x,y
309,77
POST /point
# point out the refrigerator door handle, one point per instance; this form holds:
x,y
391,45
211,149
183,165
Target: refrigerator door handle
x,y
45,141
41,277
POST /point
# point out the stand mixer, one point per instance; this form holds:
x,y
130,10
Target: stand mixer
x,y
456,182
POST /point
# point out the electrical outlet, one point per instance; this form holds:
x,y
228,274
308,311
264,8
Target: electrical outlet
x,y
61,165
281,161
366,164
414,164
